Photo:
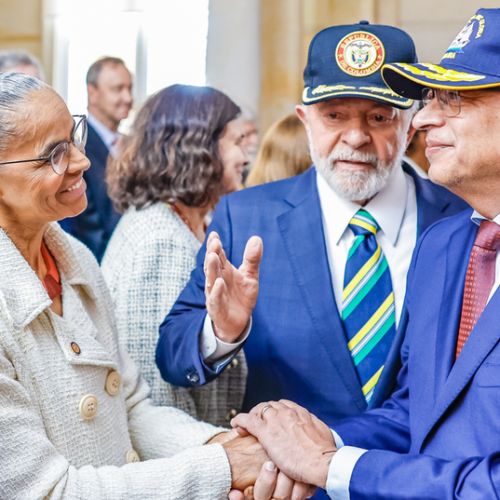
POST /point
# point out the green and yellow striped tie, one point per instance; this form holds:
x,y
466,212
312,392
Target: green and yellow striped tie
x,y
368,308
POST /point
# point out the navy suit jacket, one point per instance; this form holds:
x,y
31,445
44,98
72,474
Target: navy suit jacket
x,y
297,348
96,223
441,431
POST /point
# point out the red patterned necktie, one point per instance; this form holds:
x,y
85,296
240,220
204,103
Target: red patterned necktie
x,y
480,278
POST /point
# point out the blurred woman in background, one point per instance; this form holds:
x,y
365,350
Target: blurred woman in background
x,y
284,153
184,153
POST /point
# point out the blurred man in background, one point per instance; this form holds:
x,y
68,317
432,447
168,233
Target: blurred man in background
x,y
109,86
21,61
251,136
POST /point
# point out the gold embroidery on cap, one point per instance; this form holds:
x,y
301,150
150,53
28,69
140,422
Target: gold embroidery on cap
x,y
321,89
441,74
399,102
380,91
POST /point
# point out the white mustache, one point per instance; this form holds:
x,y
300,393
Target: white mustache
x,y
353,155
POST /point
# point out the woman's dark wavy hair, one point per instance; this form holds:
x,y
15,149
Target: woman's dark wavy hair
x,y
173,152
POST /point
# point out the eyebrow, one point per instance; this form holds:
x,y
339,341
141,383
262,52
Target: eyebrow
x,y
49,148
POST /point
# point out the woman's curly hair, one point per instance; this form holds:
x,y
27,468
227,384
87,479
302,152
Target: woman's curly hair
x,y
173,152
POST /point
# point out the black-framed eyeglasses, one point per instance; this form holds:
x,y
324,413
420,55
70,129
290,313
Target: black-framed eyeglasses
x,y
60,155
449,100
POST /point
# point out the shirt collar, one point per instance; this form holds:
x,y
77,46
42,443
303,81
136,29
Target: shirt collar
x,y
21,291
107,135
476,217
387,207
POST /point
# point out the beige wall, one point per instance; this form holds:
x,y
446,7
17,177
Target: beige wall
x,y
433,24
233,50
21,25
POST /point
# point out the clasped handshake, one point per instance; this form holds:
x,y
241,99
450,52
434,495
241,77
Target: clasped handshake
x,y
297,443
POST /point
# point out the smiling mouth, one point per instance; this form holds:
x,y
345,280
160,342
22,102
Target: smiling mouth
x,y
75,186
433,149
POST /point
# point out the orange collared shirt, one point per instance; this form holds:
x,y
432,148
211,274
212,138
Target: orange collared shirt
x,y
51,282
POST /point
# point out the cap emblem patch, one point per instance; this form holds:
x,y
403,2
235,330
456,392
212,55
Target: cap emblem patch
x,y
360,54
463,38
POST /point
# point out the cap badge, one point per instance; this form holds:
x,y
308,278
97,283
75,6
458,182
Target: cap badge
x,y
463,38
360,54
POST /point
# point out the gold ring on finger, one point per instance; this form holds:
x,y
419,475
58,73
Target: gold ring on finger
x,y
264,411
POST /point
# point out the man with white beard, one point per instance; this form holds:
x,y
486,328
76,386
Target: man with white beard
x,y
336,244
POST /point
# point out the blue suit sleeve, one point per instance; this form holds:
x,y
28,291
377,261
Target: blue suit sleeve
x,y
177,354
380,475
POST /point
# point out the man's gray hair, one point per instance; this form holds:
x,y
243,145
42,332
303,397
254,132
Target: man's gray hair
x,y
14,58
96,68
15,90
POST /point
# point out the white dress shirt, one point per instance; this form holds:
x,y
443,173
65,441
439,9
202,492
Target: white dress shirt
x,y
344,461
107,136
395,210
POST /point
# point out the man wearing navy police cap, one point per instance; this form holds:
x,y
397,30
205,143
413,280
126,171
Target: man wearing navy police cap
x,y
437,437
337,244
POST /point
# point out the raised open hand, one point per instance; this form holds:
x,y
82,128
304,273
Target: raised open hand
x,y
231,293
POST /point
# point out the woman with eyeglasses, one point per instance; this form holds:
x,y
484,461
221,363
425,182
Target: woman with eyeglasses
x,y
185,151
75,418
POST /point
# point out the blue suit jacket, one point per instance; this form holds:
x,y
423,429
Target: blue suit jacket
x,y
297,348
96,223
445,417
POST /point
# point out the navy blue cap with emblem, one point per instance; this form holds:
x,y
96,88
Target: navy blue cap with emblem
x,y
346,61
472,61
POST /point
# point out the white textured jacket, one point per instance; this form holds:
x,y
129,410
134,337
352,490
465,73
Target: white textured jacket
x,y
56,441
147,264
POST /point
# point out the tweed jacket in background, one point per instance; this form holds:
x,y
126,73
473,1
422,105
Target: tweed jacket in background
x,y
147,264
48,450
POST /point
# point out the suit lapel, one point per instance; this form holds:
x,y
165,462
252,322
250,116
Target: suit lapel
x,y
95,143
448,378
303,237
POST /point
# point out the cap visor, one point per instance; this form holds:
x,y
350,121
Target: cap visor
x,y
408,80
374,92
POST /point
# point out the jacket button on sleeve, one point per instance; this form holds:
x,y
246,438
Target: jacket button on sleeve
x,y
193,377
113,382
131,456
231,414
88,407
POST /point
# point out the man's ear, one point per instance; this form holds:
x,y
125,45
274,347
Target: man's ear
x,y
303,115
411,133
91,91
301,111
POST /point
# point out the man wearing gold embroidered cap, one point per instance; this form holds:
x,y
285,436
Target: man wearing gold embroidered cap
x,y
331,291
436,438
468,64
